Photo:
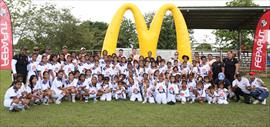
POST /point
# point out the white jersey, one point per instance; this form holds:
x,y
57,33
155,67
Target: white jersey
x,y
243,84
92,90
184,93
82,67
82,84
57,84
96,70
121,67
161,87
25,88
69,83
44,85
32,68
135,88
106,71
56,67
11,92
68,67
222,95
258,83
173,88
43,67
204,69
162,69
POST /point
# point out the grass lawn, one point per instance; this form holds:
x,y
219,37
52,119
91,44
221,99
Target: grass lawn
x,y
126,113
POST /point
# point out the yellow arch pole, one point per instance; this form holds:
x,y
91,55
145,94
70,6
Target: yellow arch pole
x,y
148,39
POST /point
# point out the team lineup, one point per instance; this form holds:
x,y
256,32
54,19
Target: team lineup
x,y
53,78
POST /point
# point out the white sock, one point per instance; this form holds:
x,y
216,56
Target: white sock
x,y
73,96
60,97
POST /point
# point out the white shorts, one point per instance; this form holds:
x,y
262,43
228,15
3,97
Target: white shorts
x,y
171,97
106,96
135,96
7,102
161,98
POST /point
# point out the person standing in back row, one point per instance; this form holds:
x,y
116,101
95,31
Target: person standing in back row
x,y
19,64
231,66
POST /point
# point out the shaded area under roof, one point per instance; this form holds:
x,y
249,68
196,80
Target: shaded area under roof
x,y
233,18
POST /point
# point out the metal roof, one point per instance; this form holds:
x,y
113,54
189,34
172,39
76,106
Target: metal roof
x,y
219,17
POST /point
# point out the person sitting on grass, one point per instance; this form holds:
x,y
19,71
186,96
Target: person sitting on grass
x,y
58,87
83,88
13,100
258,90
70,86
106,90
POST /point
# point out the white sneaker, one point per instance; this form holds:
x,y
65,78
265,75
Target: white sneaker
x,y
209,102
255,102
264,102
86,101
58,102
73,101
183,102
144,102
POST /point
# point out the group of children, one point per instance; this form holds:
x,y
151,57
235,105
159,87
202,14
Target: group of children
x,y
57,78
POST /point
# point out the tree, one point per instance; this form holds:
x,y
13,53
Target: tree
x,y
47,25
204,47
127,34
167,37
228,39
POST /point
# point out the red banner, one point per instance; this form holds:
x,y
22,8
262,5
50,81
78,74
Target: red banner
x,y
6,37
261,38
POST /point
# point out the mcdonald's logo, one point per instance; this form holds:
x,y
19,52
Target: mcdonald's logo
x,y
148,37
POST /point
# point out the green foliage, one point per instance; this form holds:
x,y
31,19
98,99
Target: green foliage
x,y
167,37
204,47
127,35
228,39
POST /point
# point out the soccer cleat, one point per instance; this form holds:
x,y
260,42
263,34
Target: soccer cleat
x,y
57,102
264,102
73,101
255,102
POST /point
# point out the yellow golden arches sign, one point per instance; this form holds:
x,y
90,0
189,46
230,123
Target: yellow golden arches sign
x,y
148,38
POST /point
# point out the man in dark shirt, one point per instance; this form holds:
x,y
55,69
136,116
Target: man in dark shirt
x,y
231,66
217,67
19,64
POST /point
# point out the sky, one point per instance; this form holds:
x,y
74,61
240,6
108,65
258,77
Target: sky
x,y
103,10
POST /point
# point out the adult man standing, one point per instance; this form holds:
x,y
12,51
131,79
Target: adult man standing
x,y
231,66
19,64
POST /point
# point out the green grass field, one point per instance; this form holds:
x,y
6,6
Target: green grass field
x,y
125,113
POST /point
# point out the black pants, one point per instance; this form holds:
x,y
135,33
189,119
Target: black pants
x,y
239,92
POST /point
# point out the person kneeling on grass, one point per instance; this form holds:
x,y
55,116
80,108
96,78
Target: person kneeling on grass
x,y
13,99
44,86
172,91
135,90
184,92
258,90
106,90
70,86
222,93
241,87
161,90
120,91
58,87
83,88
93,89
